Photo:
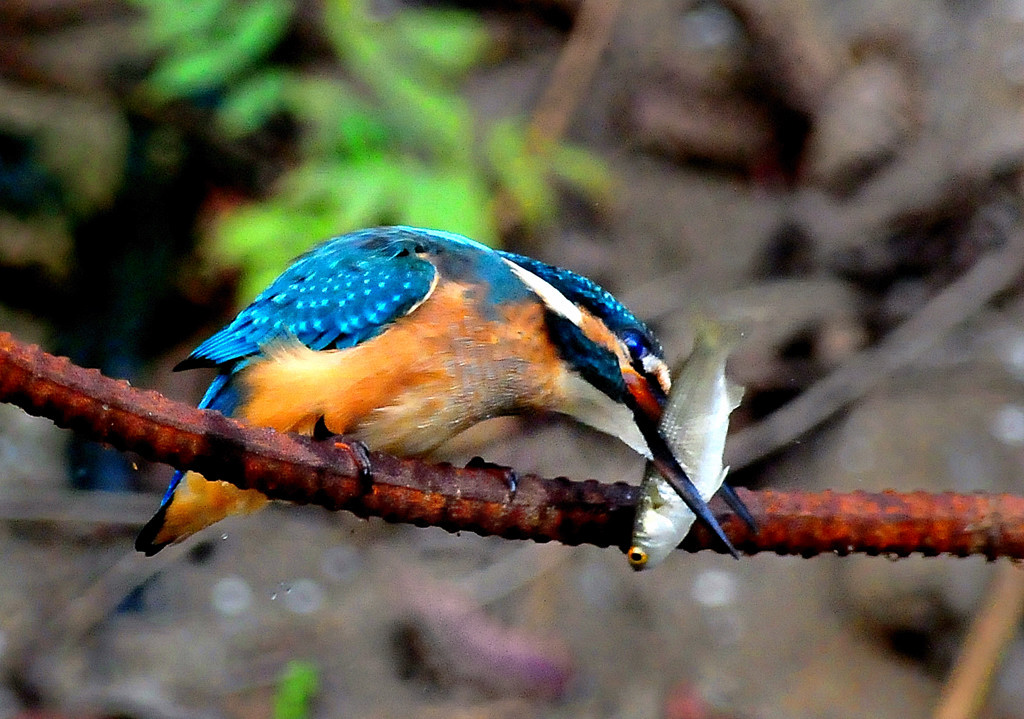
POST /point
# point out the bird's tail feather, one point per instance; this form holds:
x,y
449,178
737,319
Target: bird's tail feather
x,y
193,503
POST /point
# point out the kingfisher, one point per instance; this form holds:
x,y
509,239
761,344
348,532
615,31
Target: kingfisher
x,y
401,338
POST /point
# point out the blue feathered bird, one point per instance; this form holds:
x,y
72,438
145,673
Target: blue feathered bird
x,y
402,338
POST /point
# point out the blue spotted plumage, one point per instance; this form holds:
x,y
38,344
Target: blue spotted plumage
x,y
403,337
338,295
350,288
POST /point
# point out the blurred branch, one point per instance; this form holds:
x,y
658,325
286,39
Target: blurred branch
x,y
298,469
570,78
792,49
996,271
76,507
573,72
992,630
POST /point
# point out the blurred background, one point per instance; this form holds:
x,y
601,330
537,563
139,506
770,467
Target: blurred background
x,y
816,171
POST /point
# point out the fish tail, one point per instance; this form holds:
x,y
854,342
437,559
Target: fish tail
x,y
719,337
716,334
191,502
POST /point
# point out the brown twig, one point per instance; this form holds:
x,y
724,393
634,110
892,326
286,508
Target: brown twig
x,y
300,470
569,80
571,75
991,631
791,49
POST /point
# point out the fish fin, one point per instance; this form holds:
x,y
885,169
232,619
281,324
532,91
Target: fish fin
x,y
734,393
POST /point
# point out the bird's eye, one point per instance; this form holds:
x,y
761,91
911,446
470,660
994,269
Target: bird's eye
x,y
647,362
636,344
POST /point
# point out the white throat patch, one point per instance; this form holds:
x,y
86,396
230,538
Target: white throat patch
x,y
589,405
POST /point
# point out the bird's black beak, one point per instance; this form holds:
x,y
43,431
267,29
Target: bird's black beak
x,y
647,413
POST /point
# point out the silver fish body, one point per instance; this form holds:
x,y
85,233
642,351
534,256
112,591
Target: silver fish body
x,y
695,423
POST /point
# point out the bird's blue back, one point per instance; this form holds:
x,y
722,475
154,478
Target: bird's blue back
x,y
350,288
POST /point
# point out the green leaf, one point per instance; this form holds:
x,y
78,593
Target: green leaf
x,y
528,185
249,104
333,197
316,101
583,171
528,176
207,61
431,119
522,174
185,72
391,142
367,195
299,683
360,133
324,185
335,120
447,43
245,231
167,21
451,200
254,27
440,122
262,239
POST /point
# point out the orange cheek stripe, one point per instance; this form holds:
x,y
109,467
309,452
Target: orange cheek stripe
x,y
641,392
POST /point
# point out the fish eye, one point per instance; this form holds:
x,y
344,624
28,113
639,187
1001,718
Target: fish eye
x,y
637,557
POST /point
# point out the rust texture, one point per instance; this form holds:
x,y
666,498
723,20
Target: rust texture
x,y
327,473
891,523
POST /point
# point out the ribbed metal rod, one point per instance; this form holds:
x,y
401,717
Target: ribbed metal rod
x,y
327,473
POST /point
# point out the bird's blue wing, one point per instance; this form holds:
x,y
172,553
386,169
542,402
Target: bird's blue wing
x,y
341,293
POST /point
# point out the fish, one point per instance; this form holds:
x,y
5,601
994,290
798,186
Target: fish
x,y
695,423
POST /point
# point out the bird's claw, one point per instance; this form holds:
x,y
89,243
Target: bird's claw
x,y
357,449
511,478
361,454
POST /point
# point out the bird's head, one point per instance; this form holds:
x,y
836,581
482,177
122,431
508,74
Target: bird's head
x,y
616,377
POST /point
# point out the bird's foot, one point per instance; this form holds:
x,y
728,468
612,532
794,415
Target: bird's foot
x,y
361,455
356,448
511,479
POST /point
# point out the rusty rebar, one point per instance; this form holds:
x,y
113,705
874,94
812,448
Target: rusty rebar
x,y
327,473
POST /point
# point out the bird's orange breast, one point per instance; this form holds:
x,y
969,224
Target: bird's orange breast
x,y
430,375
